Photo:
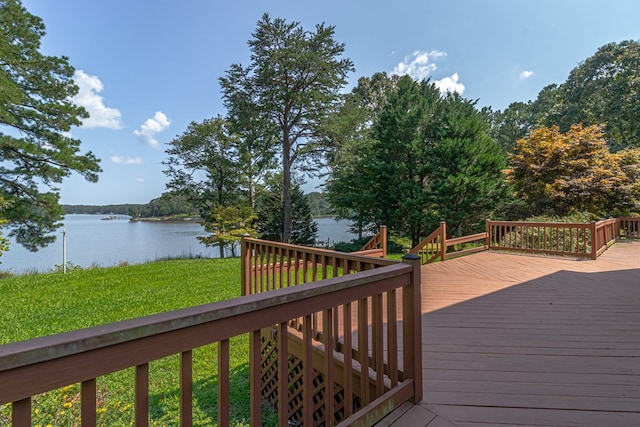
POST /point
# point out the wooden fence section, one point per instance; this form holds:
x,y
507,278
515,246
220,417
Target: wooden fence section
x,y
377,245
270,265
630,227
436,246
29,368
361,356
548,238
587,240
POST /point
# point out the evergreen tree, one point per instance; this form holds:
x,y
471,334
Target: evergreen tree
x,y
36,115
270,204
351,137
465,167
429,158
289,90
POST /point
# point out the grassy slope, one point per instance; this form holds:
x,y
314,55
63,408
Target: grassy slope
x,y
32,306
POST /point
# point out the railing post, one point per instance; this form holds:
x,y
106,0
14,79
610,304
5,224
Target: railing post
x,y
594,240
412,326
443,240
488,230
383,236
245,266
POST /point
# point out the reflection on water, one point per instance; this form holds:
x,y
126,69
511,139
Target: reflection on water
x,y
93,241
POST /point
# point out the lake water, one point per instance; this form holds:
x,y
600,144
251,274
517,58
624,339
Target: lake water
x,y
93,241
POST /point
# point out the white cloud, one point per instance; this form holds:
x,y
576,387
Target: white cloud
x,y
126,160
450,84
148,130
140,179
89,97
418,65
526,74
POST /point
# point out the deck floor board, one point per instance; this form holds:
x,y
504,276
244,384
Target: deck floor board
x,y
521,340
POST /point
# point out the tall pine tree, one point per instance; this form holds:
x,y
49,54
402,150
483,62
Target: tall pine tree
x,y
36,114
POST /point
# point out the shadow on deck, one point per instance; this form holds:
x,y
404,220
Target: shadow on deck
x,y
521,340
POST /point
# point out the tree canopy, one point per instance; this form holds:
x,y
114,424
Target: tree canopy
x,y
287,93
36,115
605,89
560,173
203,165
602,90
422,159
270,210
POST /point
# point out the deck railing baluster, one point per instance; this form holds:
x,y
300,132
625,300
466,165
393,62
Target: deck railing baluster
x,y
186,388
283,375
21,413
392,337
142,395
88,403
328,367
224,402
377,352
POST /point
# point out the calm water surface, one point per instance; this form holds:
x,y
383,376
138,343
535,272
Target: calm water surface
x,y
93,241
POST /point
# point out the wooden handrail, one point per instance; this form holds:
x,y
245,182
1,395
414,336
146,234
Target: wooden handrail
x,y
433,246
377,245
272,265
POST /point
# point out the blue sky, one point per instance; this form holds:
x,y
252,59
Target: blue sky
x,y
148,68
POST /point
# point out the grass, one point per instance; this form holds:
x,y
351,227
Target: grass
x,y
37,305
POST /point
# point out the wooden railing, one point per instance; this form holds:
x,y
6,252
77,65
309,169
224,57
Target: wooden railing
x,y
32,367
268,265
587,240
549,238
366,334
630,227
377,245
605,233
436,246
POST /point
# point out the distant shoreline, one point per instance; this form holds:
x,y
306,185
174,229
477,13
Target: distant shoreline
x,y
166,219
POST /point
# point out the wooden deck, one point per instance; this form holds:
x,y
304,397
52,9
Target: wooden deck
x,y
522,340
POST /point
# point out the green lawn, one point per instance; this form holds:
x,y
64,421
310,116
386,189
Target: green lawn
x,y
37,305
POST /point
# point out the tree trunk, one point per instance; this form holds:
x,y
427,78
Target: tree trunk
x,y
252,193
286,193
221,246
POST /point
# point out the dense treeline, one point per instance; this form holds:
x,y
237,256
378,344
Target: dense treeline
x,y
575,148
123,209
170,204
167,205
